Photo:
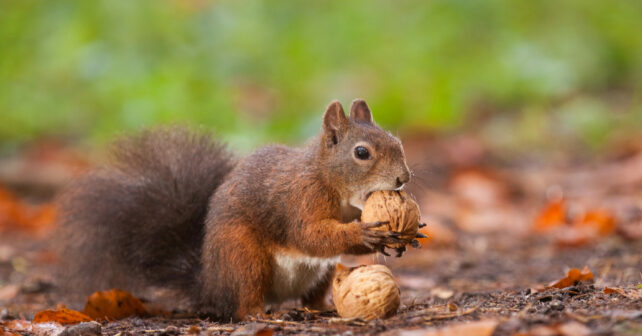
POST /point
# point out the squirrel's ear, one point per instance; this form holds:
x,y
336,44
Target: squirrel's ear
x,y
334,122
360,112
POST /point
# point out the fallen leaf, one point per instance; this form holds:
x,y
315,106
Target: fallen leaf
x,y
193,330
477,328
574,275
16,328
43,216
62,316
16,215
600,220
574,229
17,325
113,304
552,216
614,290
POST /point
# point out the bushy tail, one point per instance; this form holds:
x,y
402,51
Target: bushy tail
x,y
139,221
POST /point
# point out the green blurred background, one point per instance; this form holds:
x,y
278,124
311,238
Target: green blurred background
x,y
519,72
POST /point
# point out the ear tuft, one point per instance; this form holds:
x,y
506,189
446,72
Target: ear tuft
x,y
360,112
334,121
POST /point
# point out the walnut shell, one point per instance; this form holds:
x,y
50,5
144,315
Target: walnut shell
x,y
367,292
395,207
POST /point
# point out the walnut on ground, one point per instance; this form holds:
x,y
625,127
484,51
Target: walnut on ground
x,y
366,292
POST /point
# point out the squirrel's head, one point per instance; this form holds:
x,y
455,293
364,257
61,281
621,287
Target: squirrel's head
x,y
360,156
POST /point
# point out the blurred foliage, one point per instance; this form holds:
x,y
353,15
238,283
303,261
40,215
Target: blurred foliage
x,y
258,70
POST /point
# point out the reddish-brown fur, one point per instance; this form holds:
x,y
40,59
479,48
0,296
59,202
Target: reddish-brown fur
x,y
281,205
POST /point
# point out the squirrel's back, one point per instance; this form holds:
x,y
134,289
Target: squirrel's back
x,y
139,221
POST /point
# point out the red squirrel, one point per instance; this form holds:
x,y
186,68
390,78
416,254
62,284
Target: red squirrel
x,y
175,209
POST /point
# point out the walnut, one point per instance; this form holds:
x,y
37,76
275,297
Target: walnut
x,y
395,207
367,292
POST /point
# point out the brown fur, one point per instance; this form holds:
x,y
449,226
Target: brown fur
x,y
279,205
139,220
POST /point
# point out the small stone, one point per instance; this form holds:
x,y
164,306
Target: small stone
x,y
557,305
83,329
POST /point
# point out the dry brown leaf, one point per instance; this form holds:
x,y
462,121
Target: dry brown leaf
x,y
600,220
16,328
17,325
581,229
62,316
193,330
478,328
614,290
113,304
574,275
552,216
593,225
16,215
43,216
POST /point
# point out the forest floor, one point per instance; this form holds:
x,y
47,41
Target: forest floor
x,y
504,236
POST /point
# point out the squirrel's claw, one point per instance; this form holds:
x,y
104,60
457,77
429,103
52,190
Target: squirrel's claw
x,y
400,251
420,235
415,243
421,225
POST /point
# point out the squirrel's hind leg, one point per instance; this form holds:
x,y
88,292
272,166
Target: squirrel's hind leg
x,y
316,297
236,272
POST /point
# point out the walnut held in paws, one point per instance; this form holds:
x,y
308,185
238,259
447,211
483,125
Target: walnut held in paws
x,y
367,292
396,208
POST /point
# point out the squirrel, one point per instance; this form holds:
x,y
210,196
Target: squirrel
x,y
176,210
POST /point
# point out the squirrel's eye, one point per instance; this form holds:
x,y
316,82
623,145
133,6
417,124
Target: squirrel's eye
x,y
361,153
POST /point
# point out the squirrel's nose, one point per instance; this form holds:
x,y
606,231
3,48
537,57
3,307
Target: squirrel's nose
x,y
403,179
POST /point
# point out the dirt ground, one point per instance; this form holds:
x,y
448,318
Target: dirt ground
x,y
501,232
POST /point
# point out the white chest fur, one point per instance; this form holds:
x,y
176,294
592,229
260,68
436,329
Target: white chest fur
x,y
294,275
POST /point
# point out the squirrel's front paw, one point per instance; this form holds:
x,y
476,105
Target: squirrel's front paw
x,y
377,240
